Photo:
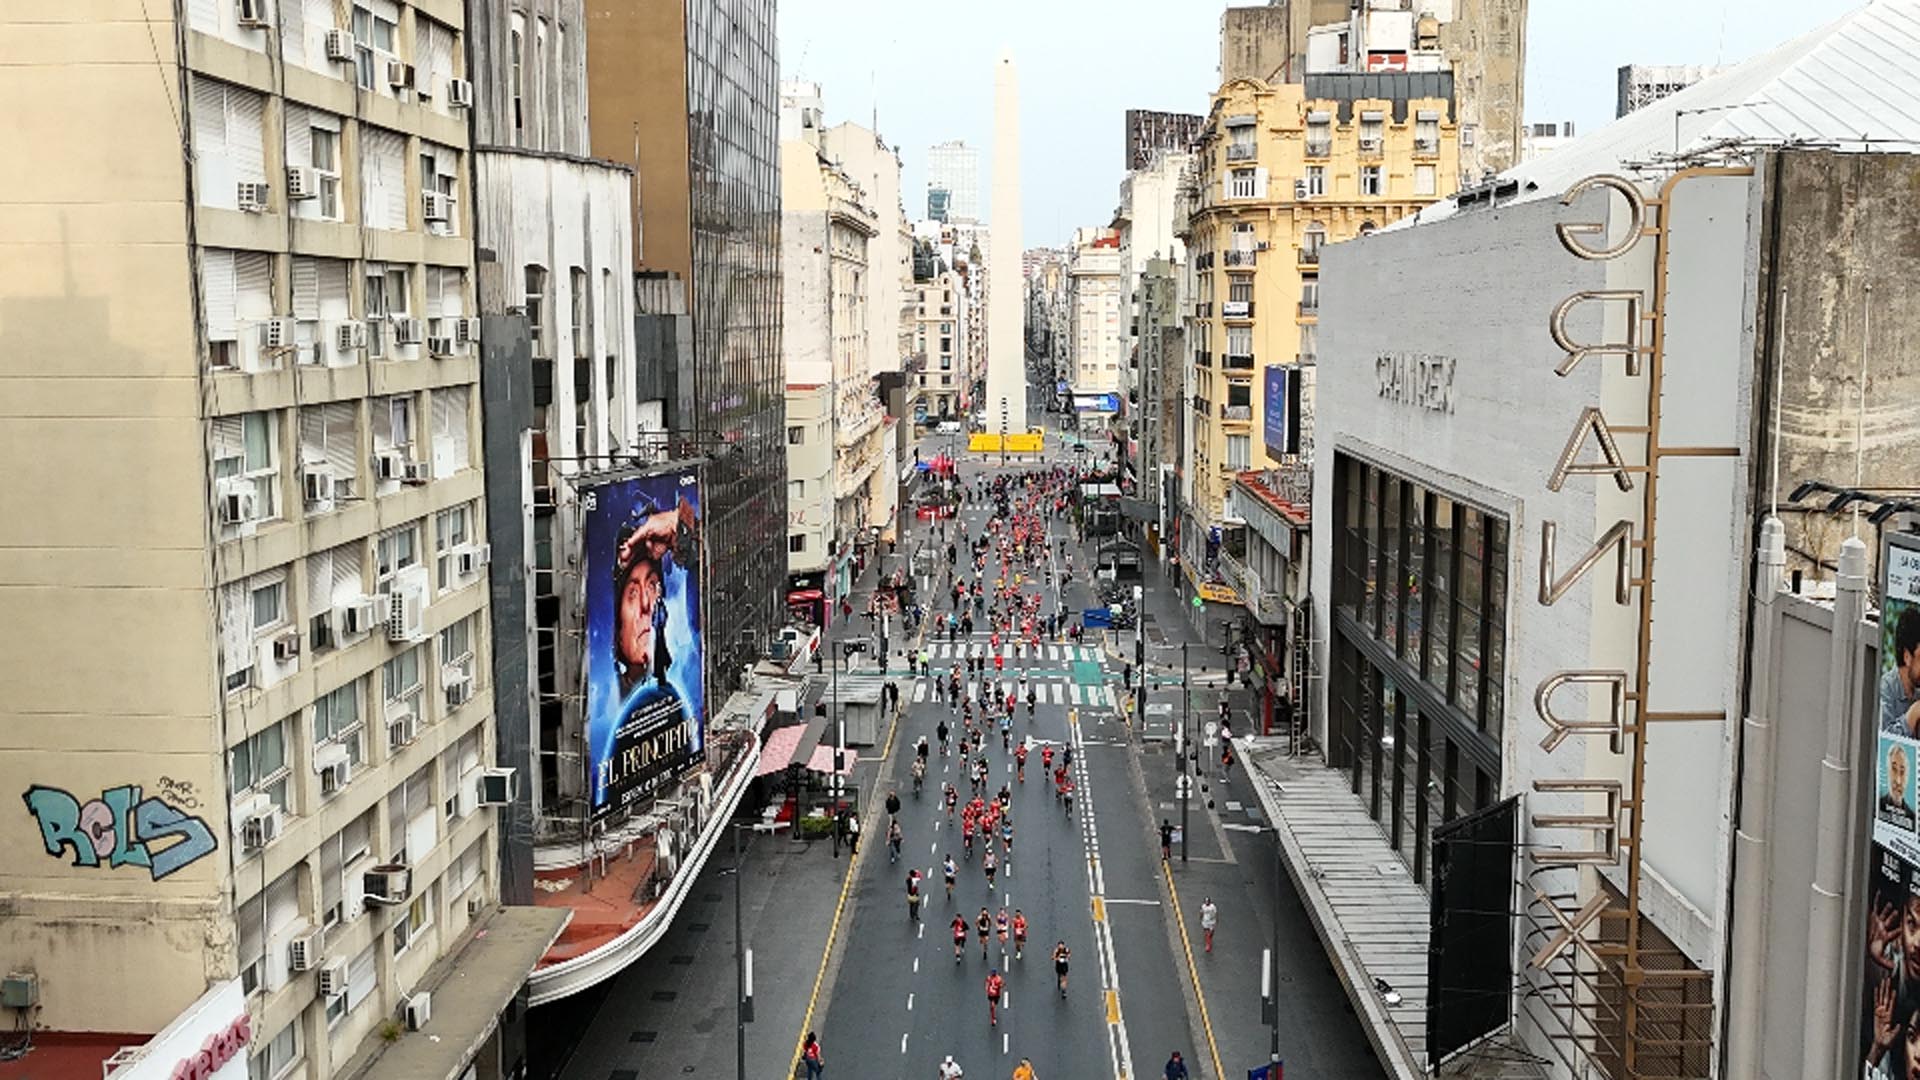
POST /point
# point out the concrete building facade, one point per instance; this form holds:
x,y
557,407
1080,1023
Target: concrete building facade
x,y
1095,305
954,167
268,249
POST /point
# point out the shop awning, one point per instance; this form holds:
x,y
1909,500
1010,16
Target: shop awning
x,y
822,760
777,752
802,596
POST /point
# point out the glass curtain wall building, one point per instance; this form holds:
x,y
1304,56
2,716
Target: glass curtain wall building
x,y
1419,652
733,103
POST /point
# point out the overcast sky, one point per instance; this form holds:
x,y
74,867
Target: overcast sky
x,y
926,69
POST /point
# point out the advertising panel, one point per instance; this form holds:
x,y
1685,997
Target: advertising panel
x,y
1104,403
645,651
1890,1011
1277,416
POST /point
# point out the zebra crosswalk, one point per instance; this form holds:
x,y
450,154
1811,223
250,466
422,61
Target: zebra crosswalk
x,y
979,646
1056,689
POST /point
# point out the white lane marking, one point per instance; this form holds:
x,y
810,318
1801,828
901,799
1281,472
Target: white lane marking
x,y
916,967
903,1042
920,690
1238,826
1003,1044
1111,900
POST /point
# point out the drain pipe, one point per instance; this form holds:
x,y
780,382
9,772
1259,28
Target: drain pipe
x,y
1751,856
1827,912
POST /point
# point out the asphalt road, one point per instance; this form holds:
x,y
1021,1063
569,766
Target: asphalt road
x,y
898,1002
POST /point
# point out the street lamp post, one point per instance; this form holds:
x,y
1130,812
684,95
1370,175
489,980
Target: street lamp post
x,y
742,965
1186,752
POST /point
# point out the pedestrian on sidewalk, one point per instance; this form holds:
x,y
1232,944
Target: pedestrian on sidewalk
x,y
893,803
1166,840
853,834
1209,918
1176,1068
810,1057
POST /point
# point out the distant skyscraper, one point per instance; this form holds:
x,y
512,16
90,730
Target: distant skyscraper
x,y
1149,131
1643,84
939,204
955,167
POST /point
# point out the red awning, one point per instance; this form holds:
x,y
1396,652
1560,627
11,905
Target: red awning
x,y
801,596
822,760
777,752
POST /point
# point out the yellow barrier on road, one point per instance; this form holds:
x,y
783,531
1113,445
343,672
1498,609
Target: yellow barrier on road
x,y
1019,442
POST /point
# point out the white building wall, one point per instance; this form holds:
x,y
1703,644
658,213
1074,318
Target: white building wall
x,y
956,167
865,158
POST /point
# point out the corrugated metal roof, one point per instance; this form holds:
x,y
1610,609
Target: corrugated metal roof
x,y
1853,84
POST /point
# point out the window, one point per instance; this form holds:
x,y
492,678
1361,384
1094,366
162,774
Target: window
x,y
246,468
383,178
1239,341
440,186
457,656
466,870
1239,289
1319,134
1313,238
451,452
1240,144
394,551
341,856
259,766
320,292
228,141
419,918
236,290
393,425
401,683
1241,184
1426,132
536,305
1369,179
796,490
452,531
516,47
376,28
387,290
1239,449
1309,295
1370,130
1316,180
269,605
336,719
1309,342
1424,182
412,823
313,139
333,578
797,543
796,436
277,1057
542,80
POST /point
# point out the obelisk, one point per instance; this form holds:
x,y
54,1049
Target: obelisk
x,y
1006,403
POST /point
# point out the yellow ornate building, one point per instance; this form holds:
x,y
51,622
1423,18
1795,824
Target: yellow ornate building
x,y
1279,171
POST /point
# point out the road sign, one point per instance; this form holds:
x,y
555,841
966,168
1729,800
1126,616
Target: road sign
x,y
1197,602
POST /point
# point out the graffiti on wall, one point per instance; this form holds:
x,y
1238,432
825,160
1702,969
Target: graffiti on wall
x,y
121,828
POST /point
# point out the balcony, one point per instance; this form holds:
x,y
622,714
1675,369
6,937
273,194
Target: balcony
x,y
1239,414
1204,261
1203,309
1202,405
1309,255
1239,258
1236,152
1203,359
1426,147
1237,309
1309,309
1319,148
1237,361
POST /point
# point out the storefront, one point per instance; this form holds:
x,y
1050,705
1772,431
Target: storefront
x,y
807,598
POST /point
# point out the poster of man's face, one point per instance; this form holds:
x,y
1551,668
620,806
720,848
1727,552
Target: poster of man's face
x,y
644,648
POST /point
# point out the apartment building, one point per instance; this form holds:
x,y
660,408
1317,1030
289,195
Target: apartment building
x,y
1095,297
945,329
953,167
1283,170
240,318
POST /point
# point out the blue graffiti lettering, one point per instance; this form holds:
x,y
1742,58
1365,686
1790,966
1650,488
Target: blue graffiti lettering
x,y
119,827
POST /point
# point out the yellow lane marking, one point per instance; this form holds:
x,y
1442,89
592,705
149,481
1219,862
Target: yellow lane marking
x,y
1099,910
1113,1006
1199,993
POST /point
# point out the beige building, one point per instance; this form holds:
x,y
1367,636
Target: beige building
x,y
943,336
827,228
246,376
1096,291
1278,175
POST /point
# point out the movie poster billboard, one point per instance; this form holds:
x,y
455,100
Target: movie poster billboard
x,y
1890,1010
645,650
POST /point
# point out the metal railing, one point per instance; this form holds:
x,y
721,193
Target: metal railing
x,y
1319,148
1237,309
1247,257
1203,309
1241,413
1309,256
1236,152
1237,361
1309,308
1203,359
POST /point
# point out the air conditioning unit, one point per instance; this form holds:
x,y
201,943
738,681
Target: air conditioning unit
x,y
416,472
498,786
1369,144
316,483
335,777
466,330
340,46
286,646
468,560
260,829
238,503
333,978
1300,189
459,689
302,182
424,88
406,615
475,905
349,336
389,465
360,616
327,755
303,952
276,333
419,1010
252,14
402,730
408,331
459,93
439,346
387,884
254,195
1425,146
435,206
399,74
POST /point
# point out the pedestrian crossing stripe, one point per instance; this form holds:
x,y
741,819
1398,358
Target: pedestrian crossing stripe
x,y
1057,691
981,648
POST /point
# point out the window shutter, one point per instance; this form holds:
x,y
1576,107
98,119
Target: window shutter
x,y
313,434
332,279
246,133
325,121
253,936
346,586
320,599
253,285
319,17
236,629
299,134
204,15
213,163
217,291
342,449
439,56
360,976
444,461
453,293
1226,185
435,279
306,287
330,870
1260,183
